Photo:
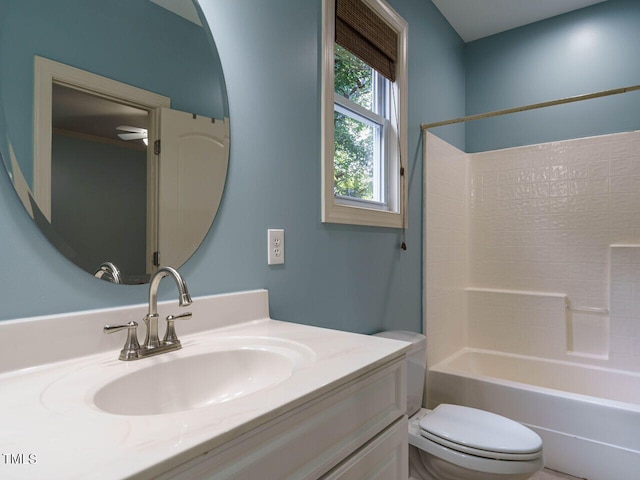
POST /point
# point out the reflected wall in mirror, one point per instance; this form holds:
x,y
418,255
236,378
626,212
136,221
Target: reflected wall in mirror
x,y
96,178
76,151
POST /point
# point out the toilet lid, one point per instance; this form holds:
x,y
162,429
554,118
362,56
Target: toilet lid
x,y
472,429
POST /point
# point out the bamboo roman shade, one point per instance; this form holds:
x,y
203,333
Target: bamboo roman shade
x,y
361,31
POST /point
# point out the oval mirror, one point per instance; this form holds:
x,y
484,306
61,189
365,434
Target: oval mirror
x,y
114,128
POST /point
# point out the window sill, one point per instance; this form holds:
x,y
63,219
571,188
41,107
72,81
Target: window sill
x,y
347,214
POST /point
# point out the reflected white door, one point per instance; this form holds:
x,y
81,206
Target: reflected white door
x,y
192,168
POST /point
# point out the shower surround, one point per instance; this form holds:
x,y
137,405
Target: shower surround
x,y
541,227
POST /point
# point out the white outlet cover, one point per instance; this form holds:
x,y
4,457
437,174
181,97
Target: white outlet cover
x,y
275,246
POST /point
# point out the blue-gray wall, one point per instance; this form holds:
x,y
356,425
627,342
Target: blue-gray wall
x,y
352,278
91,183
589,50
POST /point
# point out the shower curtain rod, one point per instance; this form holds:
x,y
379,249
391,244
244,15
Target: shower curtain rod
x,y
577,98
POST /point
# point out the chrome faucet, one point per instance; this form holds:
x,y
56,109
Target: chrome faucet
x,y
152,344
108,271
151,340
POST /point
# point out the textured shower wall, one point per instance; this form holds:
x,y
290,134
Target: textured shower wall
x,y
625,306
446,255
542,219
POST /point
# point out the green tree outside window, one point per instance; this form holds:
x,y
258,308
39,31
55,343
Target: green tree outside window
x,y
354,140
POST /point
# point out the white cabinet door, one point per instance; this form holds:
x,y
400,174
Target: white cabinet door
x,y
386,457
193,163
320,436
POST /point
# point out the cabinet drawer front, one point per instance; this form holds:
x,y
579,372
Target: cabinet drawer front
x,y
309,440
386,457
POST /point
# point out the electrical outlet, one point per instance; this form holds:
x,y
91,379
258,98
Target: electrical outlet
x,y
275,246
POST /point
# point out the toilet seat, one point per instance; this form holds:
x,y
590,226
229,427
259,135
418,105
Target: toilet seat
x,y
480,433
481,453
468,461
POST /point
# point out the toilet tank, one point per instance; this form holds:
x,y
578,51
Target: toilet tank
x,y
416,365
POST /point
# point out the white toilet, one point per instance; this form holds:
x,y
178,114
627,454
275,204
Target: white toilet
x,y
452,442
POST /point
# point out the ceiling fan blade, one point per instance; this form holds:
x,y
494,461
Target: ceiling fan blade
x,y
132,136
128,128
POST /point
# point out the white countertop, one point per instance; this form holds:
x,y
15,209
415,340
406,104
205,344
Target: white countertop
x,y
51,428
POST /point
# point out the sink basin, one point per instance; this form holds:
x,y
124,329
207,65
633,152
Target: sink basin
x,y
193,382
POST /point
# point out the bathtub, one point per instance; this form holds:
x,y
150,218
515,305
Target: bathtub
x,y
588,417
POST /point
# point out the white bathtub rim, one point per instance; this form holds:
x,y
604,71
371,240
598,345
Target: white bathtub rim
x,y
538,429
444,367
586,458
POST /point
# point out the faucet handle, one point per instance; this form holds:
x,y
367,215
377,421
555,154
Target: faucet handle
x,y
131,345
170,337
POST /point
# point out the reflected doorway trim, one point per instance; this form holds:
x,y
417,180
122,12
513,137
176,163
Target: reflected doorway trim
x,y
46,72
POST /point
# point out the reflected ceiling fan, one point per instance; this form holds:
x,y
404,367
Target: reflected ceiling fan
x,y
133,133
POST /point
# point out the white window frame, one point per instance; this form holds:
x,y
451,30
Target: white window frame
x,y
361,212
380,166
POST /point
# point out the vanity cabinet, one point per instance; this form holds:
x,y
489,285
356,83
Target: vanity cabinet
x,y
335,407
357,430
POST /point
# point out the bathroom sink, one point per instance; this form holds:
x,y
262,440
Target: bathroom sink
x,y
187,383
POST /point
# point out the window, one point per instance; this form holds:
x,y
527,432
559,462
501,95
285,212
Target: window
x,y
360,130
364,114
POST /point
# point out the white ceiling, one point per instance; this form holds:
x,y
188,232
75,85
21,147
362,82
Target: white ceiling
x,y
474,19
